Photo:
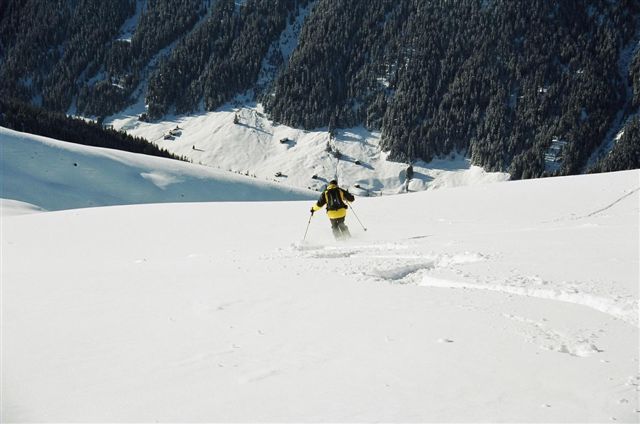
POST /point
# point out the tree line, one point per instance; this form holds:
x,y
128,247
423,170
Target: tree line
x,y
36,120
497,80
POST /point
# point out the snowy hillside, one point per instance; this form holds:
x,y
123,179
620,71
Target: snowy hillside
x,y
511,302
55,175
241,138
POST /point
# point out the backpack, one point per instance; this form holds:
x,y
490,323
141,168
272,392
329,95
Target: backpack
x,y
334,199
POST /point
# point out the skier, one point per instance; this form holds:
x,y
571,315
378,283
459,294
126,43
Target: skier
x,y
334,198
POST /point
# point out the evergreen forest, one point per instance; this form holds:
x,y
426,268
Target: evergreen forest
x,y
498,80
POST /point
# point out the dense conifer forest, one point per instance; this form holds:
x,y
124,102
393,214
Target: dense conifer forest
x,y
502,81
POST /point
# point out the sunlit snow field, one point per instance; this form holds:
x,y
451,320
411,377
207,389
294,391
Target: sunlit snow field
x,y
511,301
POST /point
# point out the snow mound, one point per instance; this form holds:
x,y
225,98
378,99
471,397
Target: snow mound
x,y
55,175
13,207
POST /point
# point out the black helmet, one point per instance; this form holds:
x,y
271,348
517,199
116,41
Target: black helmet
x,y
334,182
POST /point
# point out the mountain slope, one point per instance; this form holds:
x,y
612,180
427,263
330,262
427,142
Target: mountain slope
x,y
244,140
56,175
505,83
508,302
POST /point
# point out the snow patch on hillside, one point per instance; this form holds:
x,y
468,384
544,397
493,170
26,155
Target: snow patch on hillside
x,y
241,138
129,27
281,50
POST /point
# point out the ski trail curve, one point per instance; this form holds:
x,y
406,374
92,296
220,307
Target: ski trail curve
x,y
398,263
624,310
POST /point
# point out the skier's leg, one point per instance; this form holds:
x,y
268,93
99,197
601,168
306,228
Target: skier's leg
x,y
344,229
335,228
338,229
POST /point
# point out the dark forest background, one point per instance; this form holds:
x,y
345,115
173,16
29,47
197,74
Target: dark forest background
x,y
502,81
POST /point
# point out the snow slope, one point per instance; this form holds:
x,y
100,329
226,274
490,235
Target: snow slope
x,y
511,302
55,175
256,146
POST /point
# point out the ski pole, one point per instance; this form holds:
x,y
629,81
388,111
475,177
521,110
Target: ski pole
x,y
356,215
305,231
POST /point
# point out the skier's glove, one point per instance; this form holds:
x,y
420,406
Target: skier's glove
x,y
312,211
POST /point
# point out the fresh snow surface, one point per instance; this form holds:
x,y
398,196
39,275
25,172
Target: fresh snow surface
x,y
15,207
257,146
55,175
514,301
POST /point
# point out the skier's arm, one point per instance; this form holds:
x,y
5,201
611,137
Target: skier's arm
x,y
348,196
320,203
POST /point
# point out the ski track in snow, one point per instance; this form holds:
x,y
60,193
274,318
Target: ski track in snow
x,y
596,212
612,204
540,334
398,263
404,263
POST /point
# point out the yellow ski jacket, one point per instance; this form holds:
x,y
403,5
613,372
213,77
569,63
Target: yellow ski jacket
x,y
335,200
